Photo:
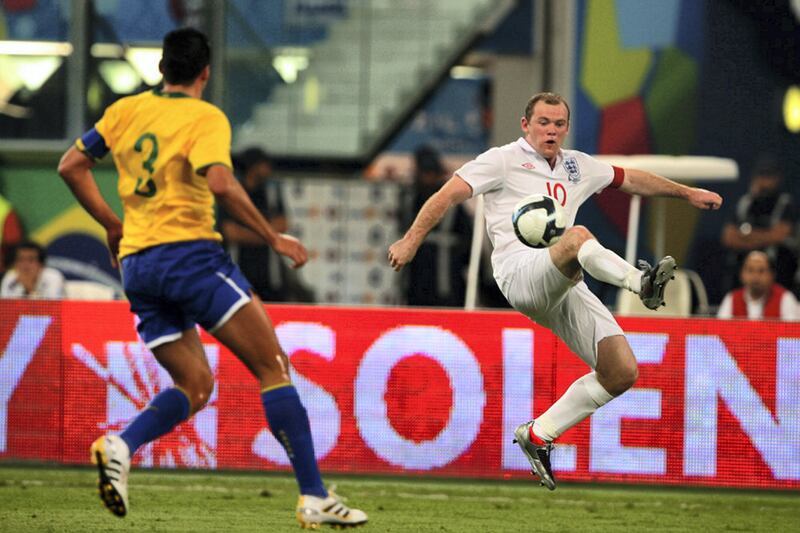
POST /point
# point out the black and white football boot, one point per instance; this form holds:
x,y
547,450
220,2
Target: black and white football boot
x,y
654,281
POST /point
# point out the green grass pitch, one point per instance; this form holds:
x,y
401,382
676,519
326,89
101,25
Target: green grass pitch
x,y
35,498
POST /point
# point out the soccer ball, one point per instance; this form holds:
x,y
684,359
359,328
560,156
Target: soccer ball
x,y
539,220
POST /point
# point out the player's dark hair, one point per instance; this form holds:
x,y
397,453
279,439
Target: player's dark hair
x,y
29,245
185,54
547,98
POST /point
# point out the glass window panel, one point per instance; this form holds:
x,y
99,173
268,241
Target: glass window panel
x,y
34,49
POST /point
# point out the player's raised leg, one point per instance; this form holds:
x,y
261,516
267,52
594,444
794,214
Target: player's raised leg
x,y
578,248
249,334
185,361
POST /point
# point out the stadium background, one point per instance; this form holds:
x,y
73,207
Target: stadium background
x,y
645,77
674,77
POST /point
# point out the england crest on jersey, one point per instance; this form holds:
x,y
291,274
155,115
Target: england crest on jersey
x,y
573,170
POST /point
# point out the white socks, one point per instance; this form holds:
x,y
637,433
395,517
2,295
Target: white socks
x,y
581,399
604,265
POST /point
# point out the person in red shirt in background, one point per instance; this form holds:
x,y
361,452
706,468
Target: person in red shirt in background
x,y
760,297
10,231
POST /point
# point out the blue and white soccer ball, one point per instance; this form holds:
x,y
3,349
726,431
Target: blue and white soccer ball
x,y
539,220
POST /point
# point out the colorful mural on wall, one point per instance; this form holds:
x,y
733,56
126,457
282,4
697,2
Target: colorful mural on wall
x,y
637,74
75,242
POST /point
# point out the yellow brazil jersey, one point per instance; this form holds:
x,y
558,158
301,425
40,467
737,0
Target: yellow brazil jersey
x,y
159,142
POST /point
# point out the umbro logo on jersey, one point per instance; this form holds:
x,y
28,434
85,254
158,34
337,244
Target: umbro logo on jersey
x,y
529,166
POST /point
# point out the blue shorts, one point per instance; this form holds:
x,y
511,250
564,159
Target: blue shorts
x,y
174,286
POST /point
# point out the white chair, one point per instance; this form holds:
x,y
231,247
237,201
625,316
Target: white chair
x,y
87,290
677,296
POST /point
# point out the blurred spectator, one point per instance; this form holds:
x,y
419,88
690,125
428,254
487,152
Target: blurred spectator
x,y
10,232
489,294
764,220
760,297
29,277
437,276
271,279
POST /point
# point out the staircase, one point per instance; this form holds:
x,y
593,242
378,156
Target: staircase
x,y
376,66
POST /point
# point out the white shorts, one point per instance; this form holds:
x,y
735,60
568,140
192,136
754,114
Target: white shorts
x,y
541,292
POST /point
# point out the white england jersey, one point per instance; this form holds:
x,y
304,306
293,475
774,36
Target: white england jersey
x,y
507,174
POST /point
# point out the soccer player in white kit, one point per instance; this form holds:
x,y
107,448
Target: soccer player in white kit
x,y
547,285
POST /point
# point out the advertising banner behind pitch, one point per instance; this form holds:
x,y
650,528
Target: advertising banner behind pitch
x,y
418,391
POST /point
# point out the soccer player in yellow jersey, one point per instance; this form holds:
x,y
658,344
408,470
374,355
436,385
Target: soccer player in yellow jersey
x,y
172,153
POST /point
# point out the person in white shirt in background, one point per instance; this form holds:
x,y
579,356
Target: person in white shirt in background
x,y
29,277
760,296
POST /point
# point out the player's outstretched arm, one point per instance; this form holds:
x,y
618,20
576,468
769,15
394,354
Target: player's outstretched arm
x,y
646,183
234,199
455,191
76,170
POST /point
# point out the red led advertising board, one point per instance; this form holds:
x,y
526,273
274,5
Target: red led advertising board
x,y
418,392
